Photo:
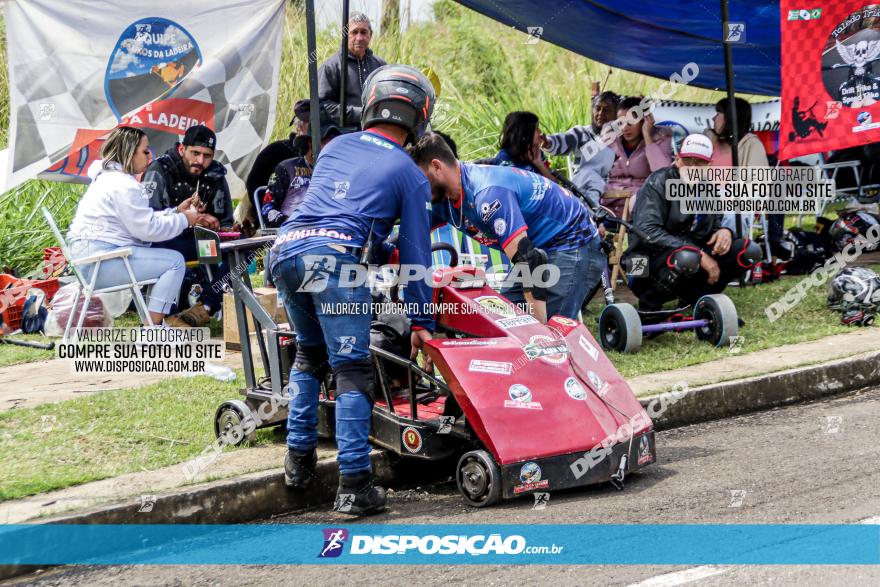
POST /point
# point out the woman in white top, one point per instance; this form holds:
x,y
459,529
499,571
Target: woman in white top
x,y
115,212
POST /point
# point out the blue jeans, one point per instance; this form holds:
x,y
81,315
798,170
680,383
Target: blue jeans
x,y
309,286
580,270
146,262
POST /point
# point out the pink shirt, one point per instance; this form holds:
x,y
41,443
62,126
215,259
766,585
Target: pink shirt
x,y
630,172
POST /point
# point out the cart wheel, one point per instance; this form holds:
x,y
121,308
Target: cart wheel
x,y
228,423
620,328
478,478
723,325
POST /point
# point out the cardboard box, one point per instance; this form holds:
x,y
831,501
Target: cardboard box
x,y
267,297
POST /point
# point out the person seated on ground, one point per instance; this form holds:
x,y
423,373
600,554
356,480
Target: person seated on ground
x,y
525,216
640,150
188,169
114,214
521,144
288,184
266,162
687,255
592,158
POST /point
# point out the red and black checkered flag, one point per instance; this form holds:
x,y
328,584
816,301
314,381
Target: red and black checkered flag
x,y
830,76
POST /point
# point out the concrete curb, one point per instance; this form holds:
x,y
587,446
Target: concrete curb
x,y
263,495
741,396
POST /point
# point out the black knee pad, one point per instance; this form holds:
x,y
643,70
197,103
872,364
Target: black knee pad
x,y
748,252
312,359
684,261
356,376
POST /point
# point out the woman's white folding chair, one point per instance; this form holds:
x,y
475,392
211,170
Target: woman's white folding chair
x,y
87,290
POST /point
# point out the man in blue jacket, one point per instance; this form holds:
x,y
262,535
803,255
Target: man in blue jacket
x,y
362,183
532,219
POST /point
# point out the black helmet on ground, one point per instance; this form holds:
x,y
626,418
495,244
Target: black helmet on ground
x,y
399,95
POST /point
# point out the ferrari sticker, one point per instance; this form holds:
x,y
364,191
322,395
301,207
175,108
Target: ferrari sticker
x,y
574,389
412,439
496,305
530,477
516,321
521,397
497,367
588,346
644,450
547,348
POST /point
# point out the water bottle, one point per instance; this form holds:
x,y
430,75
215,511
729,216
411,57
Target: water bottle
x,y
219,372
757,273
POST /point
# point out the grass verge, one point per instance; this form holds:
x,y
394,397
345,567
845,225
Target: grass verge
x,y
109,434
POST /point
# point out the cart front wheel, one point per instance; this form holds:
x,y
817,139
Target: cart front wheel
x,y
723,324
234,423
620,328
478,478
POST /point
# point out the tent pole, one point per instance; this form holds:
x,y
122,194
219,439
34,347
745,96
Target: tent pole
x,y
731,97
343,72
314,105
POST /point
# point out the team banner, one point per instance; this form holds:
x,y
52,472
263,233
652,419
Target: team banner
x,y
830,75
78,69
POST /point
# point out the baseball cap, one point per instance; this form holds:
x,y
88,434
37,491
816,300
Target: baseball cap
x,y
301,111
696,145
200,136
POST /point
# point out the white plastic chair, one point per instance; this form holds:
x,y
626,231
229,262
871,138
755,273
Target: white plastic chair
x,y
87,290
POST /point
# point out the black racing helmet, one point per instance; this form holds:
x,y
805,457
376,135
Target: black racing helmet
x,y
400,95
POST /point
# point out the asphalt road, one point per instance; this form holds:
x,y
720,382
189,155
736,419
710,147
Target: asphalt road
x,y
814,463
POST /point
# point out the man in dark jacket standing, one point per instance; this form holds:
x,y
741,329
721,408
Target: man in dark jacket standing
x,y
361,62
684,256
186,169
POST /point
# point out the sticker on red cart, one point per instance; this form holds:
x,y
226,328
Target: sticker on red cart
x,y
547,348
508,323
597,382
496,367
412,439
644,450
521,397
496,305
588,346
574,389
530,477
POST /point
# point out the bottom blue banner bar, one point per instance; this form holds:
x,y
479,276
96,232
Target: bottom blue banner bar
x,y
47,544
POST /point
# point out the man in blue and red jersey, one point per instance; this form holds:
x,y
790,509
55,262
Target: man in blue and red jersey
x,y
523,214
362,183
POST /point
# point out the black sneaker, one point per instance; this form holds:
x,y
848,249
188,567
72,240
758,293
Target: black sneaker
x,y
299,468
358,496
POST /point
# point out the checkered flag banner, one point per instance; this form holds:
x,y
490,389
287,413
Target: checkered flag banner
x,y
80,68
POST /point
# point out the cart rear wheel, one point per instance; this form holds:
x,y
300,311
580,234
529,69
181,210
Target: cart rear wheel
x,y
620,328
723,325
478,478
234,423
